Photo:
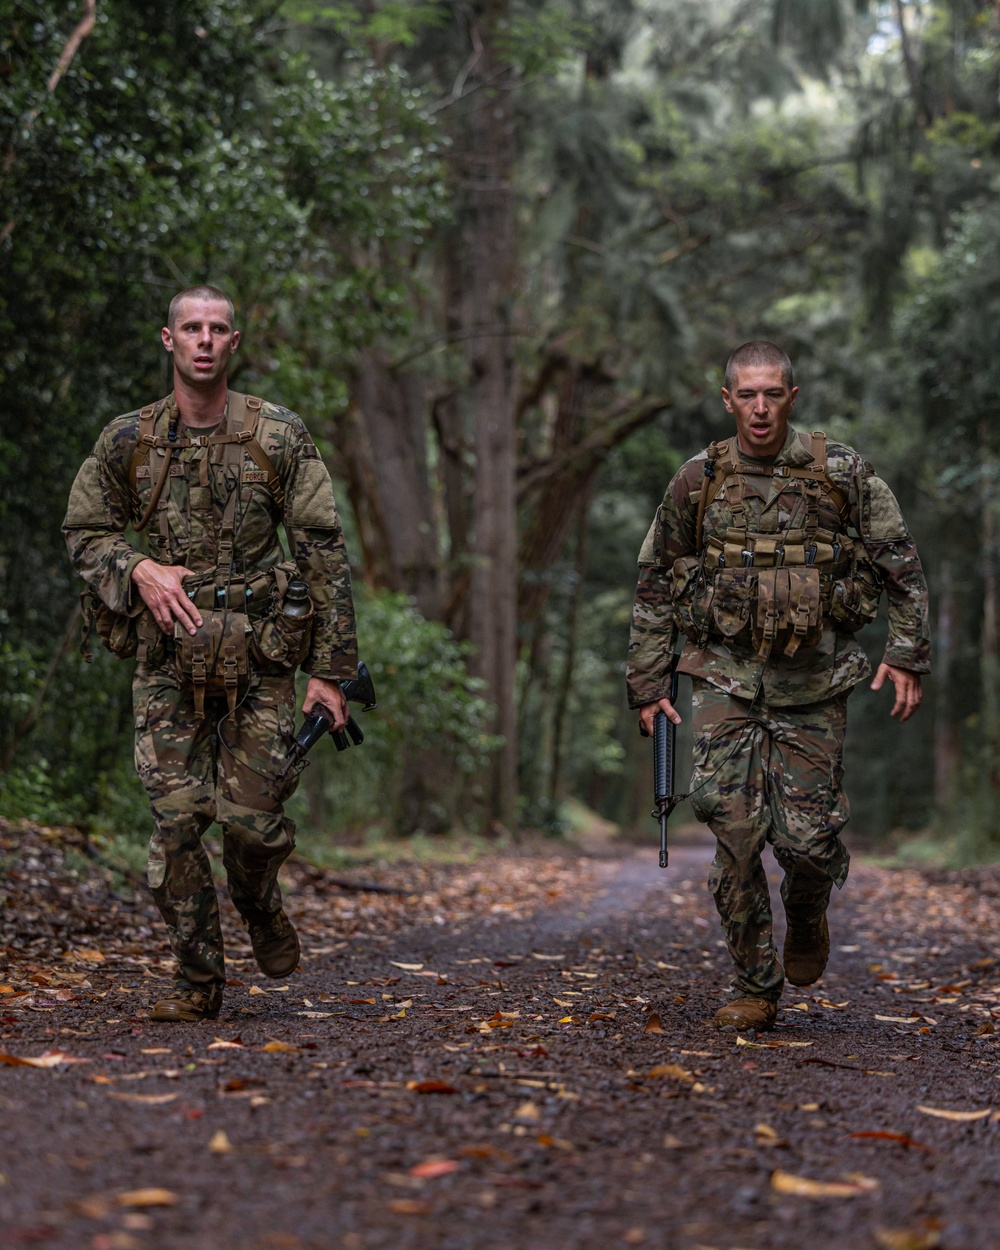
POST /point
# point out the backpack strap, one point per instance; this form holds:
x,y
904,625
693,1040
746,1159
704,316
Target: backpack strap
x,y
718,466
145,442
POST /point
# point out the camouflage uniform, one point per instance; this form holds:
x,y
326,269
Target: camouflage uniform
x,y
769,732
221,767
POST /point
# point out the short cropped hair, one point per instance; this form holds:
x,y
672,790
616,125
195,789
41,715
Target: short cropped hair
x,y
198,292
756,355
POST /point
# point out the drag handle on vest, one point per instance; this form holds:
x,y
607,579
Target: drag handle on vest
x,y
360,689
664,743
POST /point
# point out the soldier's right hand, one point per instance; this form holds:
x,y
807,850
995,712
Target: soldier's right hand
x,y
647,714
162,590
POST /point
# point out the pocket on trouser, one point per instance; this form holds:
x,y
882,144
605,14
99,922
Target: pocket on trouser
x,y
145,747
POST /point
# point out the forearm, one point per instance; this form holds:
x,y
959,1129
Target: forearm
x,y
106,562
321,557
908,645
652,639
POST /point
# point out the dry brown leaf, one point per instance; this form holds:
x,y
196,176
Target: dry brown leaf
x,y
672,1070
87,953
281,1048
220,1143
765,1131
93,1208
433,1168
907,1238
153,1197
804,1187
653,1024
944,1114
408,1206
431,1087
220,1043
150,1100
527,1111
47,1059
255,989
407,967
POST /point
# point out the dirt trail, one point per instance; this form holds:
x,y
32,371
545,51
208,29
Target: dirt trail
x,y
493,1083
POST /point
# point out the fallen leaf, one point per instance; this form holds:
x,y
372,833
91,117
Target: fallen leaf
x,y
570,1020
406,967
944,1114
281,1048
765,1132
539,955
255,989
147,1198
47,1059
671,1070
907,1238
803,1187
610,1015
527,1111
653,1024
431,1087
220,1143
220,1043
151,1100
901,1138
158,1050
93,1208
434,1167
408,1206
92,956
357,1001
899,1019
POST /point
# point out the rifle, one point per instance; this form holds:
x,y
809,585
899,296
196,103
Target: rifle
x,y
664,741
360,689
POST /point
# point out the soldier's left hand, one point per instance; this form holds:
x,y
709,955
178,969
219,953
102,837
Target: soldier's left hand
x,y
908,689
331,696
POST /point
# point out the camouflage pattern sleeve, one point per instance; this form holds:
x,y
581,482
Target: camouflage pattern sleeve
x,y
97,515
318,548
654,631
891,547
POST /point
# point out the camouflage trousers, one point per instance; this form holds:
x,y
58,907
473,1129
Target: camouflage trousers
x,y
769,774
221,768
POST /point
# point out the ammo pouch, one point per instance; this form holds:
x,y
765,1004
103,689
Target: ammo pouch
x,y
691,595
213,661
789,610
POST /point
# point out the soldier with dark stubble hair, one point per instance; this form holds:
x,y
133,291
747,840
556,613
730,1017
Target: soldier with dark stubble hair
x,y
769,552
218,618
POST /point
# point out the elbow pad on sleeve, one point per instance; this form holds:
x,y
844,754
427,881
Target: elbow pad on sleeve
x,y
87,505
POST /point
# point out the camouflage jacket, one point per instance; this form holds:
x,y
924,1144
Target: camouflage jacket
x,y
185,531
836,662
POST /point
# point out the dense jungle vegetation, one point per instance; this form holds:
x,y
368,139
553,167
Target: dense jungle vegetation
x,y
496,253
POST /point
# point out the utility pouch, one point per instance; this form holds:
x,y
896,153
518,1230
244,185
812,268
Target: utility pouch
x,y
213,661
732,601
280,641
691,598
789,610
854,599
118,633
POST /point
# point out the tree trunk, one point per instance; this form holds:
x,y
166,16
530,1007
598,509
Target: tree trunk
x,y
492,611
947,749
989,651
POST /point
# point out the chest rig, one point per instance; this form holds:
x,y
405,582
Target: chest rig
x,y
215,661
775,584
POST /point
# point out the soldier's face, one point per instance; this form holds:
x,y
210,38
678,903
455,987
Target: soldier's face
x,y
201,339
761,402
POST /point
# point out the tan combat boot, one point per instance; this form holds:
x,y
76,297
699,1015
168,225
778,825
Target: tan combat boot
x,y
806,950
275,945
747,1013
186,1004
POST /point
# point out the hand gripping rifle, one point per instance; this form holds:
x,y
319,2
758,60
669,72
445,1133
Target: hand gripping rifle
x,y
664,742
358,689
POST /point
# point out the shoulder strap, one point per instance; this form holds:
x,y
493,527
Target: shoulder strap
x,y
718,465
245,413
820,467
146,440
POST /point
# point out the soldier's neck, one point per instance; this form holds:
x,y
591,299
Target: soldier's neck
x,y
199,408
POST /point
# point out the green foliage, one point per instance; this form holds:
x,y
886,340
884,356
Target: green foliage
x,y
431,714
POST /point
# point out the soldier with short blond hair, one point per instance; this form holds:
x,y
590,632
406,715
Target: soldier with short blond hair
x,y
769,552
218,616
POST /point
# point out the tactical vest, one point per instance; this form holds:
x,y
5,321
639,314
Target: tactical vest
x,y
217,659
775,587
